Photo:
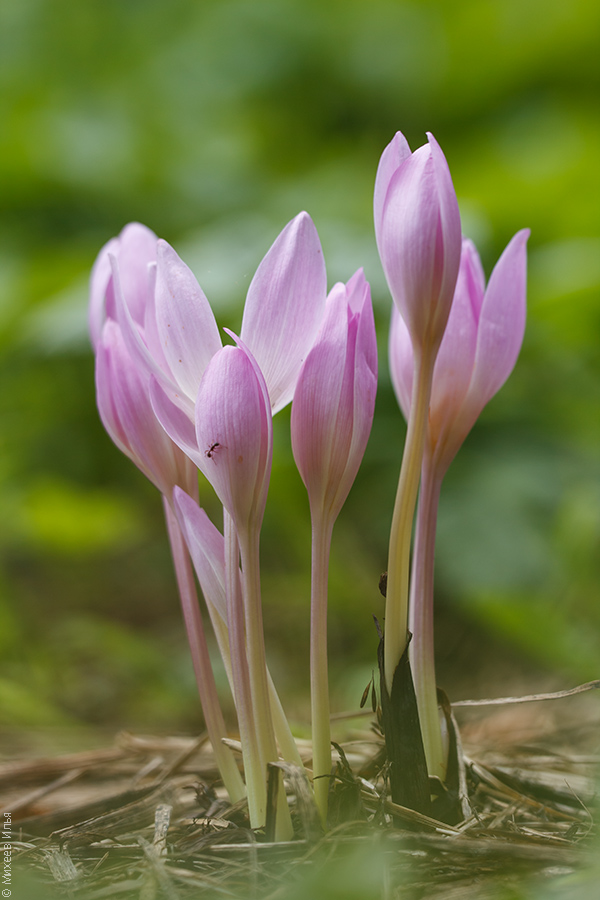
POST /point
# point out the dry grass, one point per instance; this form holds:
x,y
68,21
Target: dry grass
x,y
146,819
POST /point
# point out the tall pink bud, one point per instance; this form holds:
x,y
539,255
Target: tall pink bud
x,y
234,434
333,405
332,412
417,226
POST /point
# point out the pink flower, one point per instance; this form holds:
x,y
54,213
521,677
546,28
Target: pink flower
x,y
234,433
417,226
175,335
135,252
126,413
334,401
478,352
284,307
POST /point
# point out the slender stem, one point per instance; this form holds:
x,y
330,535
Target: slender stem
x,y
285,739
257,667
421,650
256,646
254,767
396,607
205,680
319,682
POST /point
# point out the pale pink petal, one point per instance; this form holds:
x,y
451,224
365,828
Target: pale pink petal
x,y
207,549
502,321
100,307
233,431
409,240
334,401
185,322
419,242
177,422
317,401
359,301
126,411
499,338
284,307
449,243
392,157
137,251
401,361
454,364
131,331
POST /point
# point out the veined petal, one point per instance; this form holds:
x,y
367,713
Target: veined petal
x,y
137,251
132,332
448,245
233,431
502,321
334,401
207,549
107,372
359,301
317,401
185,322
418,236
401,361
392,157
454,364
127,414
100,306
500,334
410,226
284,307
265,395
359,390
177,422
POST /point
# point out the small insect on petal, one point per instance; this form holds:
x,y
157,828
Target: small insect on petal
x,y
212,449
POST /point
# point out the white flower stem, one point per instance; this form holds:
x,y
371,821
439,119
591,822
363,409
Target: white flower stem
x,y
396,607
285,739
254,768
205,680
257,667
421,650
319,680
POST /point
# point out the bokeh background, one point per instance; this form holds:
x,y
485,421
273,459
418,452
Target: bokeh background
x,y
214,122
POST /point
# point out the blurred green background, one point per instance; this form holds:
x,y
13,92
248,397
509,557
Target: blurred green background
x,y
215,123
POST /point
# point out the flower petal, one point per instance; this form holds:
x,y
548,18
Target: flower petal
x,y
401,361
233,430
392,157
284,307
177,422
185,322
449,245
100,306
502,321
334,401
127,414
419,242
137,251
454,364
207,549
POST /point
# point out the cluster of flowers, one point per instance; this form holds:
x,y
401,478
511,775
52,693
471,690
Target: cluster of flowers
x,y
176,400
